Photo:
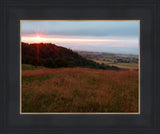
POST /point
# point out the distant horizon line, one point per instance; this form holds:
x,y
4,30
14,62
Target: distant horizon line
x,y
81,49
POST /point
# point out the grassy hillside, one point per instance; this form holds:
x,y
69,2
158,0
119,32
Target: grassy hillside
x,y
53,56
30,67
79,90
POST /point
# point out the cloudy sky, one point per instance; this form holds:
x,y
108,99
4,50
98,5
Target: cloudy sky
x,y
97,36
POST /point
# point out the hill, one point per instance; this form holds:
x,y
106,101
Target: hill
x,y
53,56
79,90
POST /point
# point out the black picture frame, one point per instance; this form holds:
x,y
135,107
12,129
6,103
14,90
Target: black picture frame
x,y
12,11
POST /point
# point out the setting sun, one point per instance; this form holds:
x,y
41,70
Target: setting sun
x,y
38,39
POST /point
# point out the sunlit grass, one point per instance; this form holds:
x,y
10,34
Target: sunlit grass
x,y
79,90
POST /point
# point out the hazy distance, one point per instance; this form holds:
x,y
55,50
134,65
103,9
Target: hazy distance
x,y
97,36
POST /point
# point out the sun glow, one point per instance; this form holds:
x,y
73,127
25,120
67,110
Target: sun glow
x,y
38,39
41,39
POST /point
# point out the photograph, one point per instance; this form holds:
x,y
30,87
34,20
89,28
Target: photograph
x,y
80,66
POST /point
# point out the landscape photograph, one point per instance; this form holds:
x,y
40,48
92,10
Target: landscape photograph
x,y
79,66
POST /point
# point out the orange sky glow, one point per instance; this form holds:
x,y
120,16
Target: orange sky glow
x,y
96,36
38,39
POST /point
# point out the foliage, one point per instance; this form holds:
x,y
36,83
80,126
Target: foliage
x,y
53,56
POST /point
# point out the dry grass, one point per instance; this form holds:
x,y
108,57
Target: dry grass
x,y
79,90
119,65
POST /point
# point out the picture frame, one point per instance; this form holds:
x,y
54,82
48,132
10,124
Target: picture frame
x,y
12,11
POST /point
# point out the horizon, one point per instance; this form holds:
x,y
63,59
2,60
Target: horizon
x,y
118,37
83,50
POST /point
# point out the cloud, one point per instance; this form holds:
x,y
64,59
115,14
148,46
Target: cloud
x,y
102,36
82,28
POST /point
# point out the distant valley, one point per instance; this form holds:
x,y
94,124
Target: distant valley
x,y
122,61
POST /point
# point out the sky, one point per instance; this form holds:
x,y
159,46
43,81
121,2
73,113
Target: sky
x,y
97,36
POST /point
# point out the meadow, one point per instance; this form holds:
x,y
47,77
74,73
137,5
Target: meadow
x,y
78,90
119,65
122,61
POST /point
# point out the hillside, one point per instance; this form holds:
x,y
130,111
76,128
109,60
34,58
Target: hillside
x,y
53,56
79,90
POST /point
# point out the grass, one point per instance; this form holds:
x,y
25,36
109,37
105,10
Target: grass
x,y
79,90
125,65
30,67
119,65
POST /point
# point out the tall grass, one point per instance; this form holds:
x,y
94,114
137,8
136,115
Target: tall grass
x,y
79,90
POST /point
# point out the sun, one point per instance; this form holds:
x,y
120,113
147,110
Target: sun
x,y
38,38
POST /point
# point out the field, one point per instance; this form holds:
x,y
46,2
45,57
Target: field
x,y
119,65
122,61
78,90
